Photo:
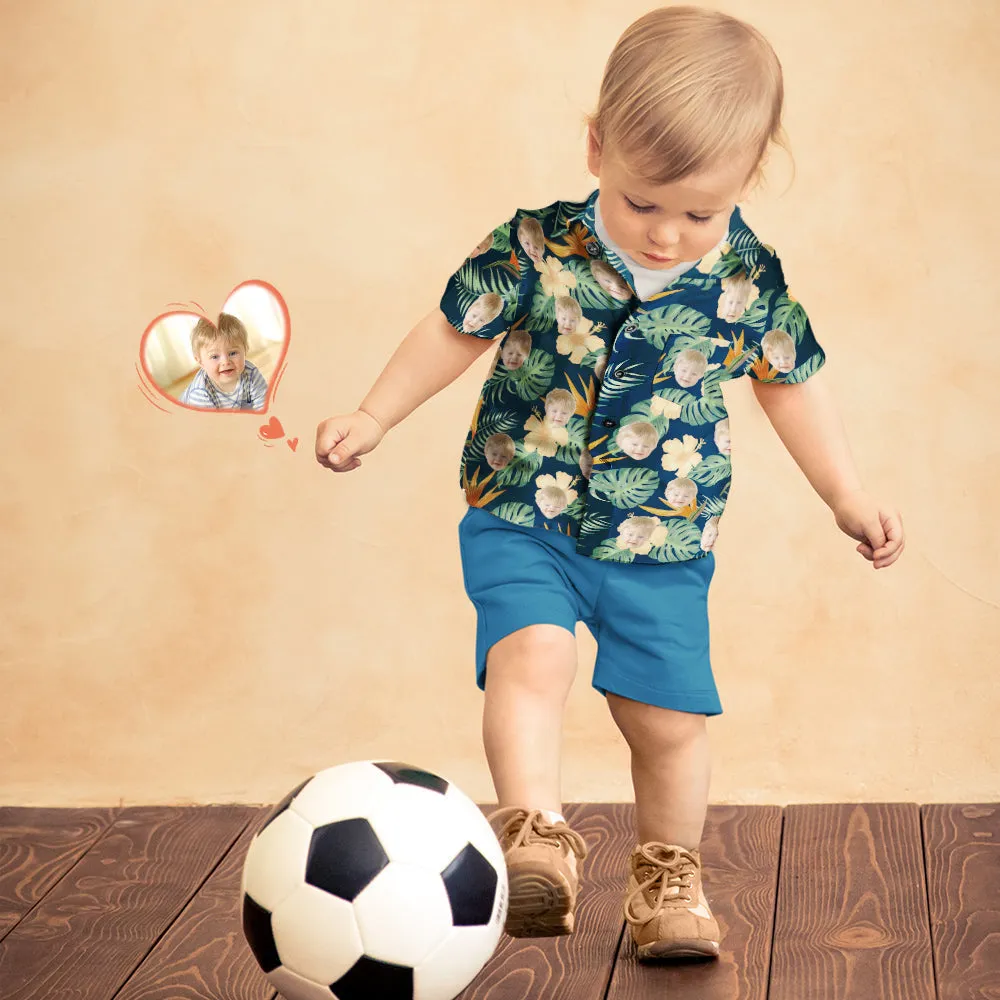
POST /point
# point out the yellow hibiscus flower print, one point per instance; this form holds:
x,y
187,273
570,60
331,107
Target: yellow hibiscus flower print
x,y
580,342
543,437
554,493
660,406
681,455
555,280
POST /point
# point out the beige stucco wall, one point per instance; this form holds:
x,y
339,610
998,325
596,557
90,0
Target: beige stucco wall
x,y
188,615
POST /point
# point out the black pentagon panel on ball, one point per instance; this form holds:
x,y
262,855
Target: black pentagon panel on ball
x,y
284,803
370,979
344,857
406,774
471,883
260,937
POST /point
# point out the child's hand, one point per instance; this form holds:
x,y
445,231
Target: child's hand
x,y
340,441
878,528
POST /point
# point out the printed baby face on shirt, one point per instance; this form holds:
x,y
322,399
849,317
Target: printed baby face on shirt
x,y
516,349
637,439
223,363
680,493
722,439
586,462
559,407
532,239
636,531
710,534
483,310
482,247
735,297
551,501
610,280
689,367
568,314
779,349
499,451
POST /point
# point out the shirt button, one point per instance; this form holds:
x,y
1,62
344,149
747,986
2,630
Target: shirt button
x,y
609,422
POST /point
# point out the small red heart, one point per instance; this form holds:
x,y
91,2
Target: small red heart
x,y
292,443
272,430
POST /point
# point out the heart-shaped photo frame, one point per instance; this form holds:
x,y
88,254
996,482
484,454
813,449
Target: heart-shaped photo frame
x,y
228,365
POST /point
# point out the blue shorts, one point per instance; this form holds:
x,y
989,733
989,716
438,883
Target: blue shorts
x,y
650,622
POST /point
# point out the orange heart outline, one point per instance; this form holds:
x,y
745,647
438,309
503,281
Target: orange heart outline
x,y
272,384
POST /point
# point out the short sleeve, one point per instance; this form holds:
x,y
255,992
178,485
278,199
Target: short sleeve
x,y
778,335
482,296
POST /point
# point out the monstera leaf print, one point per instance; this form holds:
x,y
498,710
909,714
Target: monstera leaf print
x,y
727,266
594,523
697,410
659,325
608,551
805,370
625,488
522,470
756,316
789,316
570,452
491,422
588,291
711,470
753,252
531,381
705,344
516,513
683,542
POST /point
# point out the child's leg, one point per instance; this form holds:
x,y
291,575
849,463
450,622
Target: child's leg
x,y
671,770
528,678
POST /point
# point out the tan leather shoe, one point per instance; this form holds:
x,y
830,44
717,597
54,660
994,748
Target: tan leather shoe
x,y
541,871
665,905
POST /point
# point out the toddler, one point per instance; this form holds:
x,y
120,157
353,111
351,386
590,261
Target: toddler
x,y
689,105
225,380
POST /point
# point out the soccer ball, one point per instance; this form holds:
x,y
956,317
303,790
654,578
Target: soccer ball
x,y
374,879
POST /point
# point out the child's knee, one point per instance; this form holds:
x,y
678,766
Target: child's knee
x,y
653,729
539,659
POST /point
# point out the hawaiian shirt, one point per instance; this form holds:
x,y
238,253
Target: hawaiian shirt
x,y
603,417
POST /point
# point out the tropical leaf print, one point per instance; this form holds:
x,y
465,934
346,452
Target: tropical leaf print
x,y
476,492
683,542
789,316
576,510
490,423
522,470
543,310
711,470
714,506
624,488
588,291
806,370
594,523
570,452
727,266
704,344
622,378
473,281
608,551
756,316
696,410
749,249
529,382
516,513
501,239
659,325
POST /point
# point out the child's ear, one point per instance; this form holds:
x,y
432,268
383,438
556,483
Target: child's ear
x,y
594,152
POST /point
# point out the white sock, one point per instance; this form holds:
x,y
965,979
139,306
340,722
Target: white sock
x,y
553,817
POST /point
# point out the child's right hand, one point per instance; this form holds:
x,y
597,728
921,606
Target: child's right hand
x,y
340,441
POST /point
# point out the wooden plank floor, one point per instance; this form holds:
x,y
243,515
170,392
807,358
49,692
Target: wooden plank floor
x,y
824,902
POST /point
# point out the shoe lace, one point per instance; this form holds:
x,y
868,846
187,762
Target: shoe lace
x,y
672,867
533,828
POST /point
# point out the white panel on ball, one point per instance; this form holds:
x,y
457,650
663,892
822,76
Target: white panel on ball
x,y
403,915
418,826
293,987
276,860
455,962
316,935
476,826
342,792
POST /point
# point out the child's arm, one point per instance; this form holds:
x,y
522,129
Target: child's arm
x,y
430,357
806,419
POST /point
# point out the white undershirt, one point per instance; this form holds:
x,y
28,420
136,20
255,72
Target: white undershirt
x,y
648,281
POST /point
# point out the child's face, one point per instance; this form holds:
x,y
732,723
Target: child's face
x,y
476,318
532,246
633,445
599,368
223,363
781,357
709,536
558,412
661,225
550,506
513,355
678,495
733,301
497,457
613,283
586,463
632,534
566,319
686,372
722,440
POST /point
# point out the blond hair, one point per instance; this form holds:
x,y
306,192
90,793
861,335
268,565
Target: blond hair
x,y
687,88
503,442
559,396
230,331
643,432
777,338
519,338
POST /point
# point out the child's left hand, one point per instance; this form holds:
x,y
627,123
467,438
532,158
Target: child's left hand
x,y
877,527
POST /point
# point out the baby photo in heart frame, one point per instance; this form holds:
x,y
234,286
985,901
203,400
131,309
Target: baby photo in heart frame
x,y
223,365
